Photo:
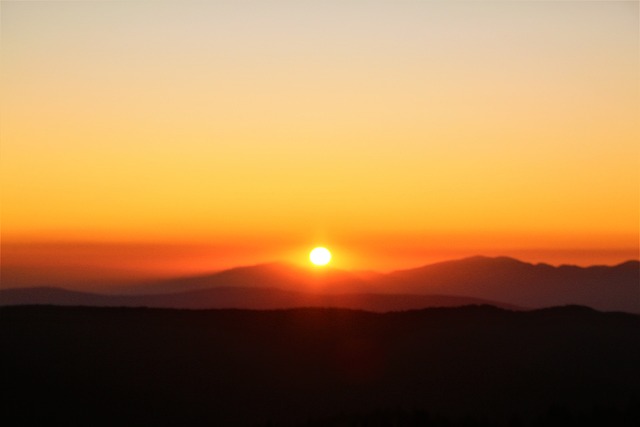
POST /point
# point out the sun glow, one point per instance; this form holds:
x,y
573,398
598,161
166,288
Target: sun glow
x,y
320,256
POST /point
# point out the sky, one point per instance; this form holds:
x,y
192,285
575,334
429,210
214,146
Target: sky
x,y
190,136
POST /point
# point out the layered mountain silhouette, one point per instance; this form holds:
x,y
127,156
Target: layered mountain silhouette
x,y
239,297
615,288
272,275
502,281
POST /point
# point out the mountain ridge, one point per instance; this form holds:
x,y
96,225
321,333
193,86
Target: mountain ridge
x,y
498,280
606,288
240,298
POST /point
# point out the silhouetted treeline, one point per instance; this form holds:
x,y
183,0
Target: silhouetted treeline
x,y
469,366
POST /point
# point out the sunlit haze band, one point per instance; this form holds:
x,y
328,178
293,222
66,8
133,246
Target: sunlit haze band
x,y
165,137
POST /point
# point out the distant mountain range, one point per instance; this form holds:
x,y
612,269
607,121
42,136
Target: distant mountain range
x,y
607,288
502,281
239,297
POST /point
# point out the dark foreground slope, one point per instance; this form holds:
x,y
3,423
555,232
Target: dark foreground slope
x,y
119,366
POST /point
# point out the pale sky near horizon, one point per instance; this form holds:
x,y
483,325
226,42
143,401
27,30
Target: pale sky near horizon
x,y
387,130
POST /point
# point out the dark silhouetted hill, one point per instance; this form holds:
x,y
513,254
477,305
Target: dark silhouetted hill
x,y
467,366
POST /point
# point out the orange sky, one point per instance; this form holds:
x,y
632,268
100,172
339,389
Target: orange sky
x,y
392,133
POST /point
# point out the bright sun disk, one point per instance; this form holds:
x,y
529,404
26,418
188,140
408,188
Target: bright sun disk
x,y
320,256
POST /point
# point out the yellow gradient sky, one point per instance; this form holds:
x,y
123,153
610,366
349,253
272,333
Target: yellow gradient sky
x,y
392,131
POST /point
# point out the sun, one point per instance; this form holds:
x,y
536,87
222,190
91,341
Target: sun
x,y
320,256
